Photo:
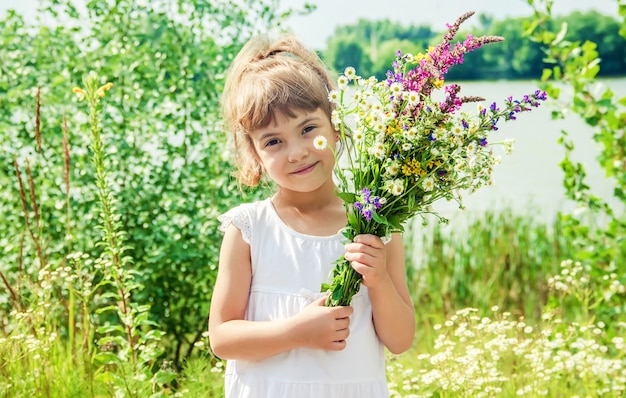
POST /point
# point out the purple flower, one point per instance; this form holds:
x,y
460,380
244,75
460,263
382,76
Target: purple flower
x,y
367,214
367,204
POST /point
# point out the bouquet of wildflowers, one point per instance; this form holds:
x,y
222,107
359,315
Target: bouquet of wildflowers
x,y
405,149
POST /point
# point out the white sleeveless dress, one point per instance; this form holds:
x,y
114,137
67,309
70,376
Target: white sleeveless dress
x,y
287,270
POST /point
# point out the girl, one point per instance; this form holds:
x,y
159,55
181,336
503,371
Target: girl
x,y
267,318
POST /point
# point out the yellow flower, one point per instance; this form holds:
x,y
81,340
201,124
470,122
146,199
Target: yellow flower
x,y
418,57
101,91
411,167
79,92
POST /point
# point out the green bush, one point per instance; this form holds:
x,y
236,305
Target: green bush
x,y
165,153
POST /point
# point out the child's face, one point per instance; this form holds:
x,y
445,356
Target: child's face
x,y
285,150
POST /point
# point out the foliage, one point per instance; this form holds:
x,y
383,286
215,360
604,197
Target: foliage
x,y
596,228
367,46
500,258
166,157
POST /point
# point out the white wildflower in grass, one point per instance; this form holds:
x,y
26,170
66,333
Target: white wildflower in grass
x,y
320,142
398,118
473,353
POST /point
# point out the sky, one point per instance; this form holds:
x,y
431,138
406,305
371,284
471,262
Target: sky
x,y
315,28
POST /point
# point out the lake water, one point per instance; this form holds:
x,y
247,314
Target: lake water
x,y
529,180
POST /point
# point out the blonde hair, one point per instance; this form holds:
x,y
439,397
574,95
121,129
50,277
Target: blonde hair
x,y
269,77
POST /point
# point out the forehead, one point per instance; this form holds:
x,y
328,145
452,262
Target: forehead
x,y
291,118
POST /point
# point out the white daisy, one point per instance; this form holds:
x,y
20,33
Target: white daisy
x,y
342,82
413,97
335,118
377,150
392,168
397,188
428,184
320,142
350,73
333,96
358,134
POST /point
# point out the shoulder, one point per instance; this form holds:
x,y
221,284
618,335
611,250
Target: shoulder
x,y
243,217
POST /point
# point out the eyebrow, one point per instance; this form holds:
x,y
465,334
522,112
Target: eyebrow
x,y
304,122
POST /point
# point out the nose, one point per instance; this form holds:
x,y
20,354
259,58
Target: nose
x,y
298,151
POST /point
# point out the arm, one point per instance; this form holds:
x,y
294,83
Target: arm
x,y
233,337
382,267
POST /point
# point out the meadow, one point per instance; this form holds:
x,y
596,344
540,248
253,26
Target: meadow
x,y
113,174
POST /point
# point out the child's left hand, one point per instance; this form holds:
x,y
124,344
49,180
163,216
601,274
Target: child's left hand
x,y
368,257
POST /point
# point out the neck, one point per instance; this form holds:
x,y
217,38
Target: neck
x,y
319,213
307,201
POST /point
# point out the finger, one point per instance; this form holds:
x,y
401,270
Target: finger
x,y
337,345
369,240
359,249
360,257
360,267
342,335
343,312
320,301
343,324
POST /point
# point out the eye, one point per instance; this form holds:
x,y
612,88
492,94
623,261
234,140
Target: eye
x,y
308,129
272,142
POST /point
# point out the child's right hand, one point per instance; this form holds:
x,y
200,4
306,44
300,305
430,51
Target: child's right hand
x,y
321,327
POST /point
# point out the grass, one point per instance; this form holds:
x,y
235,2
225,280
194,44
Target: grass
x,y
509,341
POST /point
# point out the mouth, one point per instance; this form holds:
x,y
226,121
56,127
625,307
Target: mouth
x,y
305,169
